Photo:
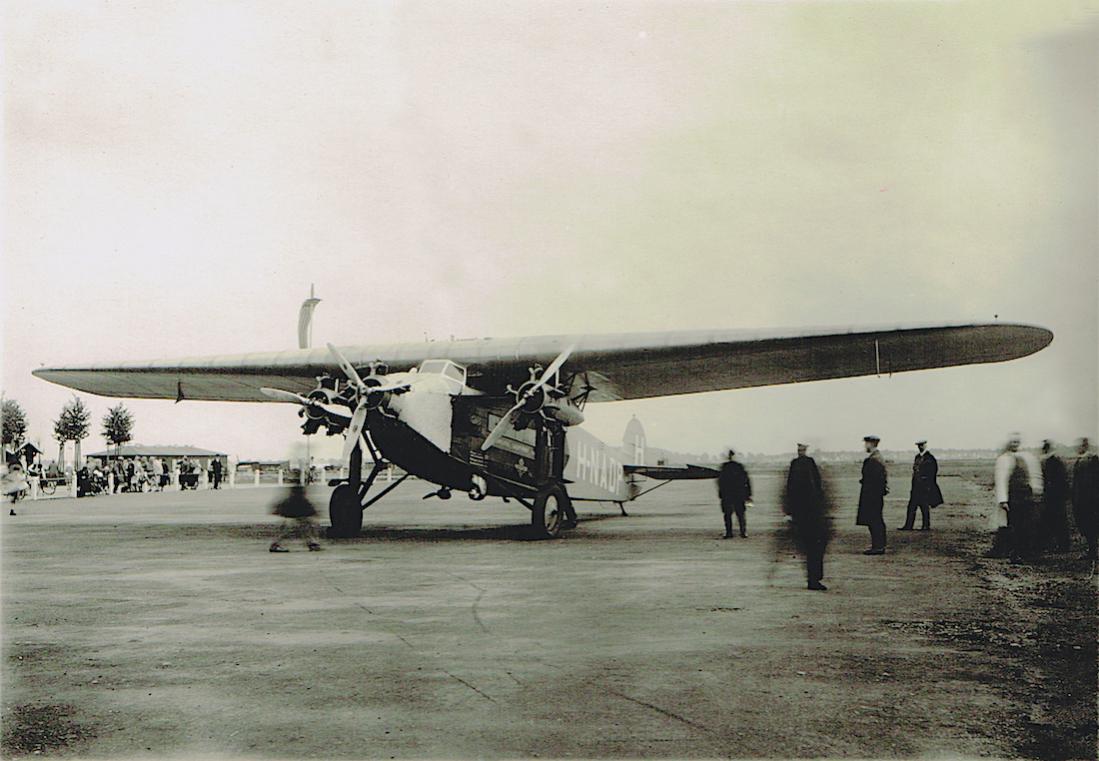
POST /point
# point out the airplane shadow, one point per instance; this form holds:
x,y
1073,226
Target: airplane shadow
x,y
513,533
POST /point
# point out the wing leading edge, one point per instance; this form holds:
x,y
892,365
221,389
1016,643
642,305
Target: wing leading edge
x,y
611,366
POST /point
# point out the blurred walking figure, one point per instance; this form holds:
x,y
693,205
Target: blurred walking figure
x,y
806,503
925,493
297,513
1055,496
735,490
1018,483
1085,497
875,485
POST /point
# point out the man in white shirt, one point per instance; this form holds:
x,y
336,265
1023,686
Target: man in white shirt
x,y
1018,484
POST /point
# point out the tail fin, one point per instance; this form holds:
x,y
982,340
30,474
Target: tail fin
x,y
633,442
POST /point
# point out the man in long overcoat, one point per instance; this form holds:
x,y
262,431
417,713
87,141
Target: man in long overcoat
x,y
805,502
875,485
925,493
734,488
1085,497
1055,496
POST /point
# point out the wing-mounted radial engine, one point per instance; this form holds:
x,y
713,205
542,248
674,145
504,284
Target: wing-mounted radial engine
x,y
542,400
337,404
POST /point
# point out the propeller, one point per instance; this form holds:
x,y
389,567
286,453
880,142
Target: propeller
x,y
524,395
362,386
355,430
279,395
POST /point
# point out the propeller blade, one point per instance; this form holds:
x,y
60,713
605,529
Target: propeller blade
x,y
506,422
279,395
354,430
555,365
284,396
402,385
346,366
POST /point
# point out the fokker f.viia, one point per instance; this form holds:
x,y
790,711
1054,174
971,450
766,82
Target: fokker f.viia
x,y
501,417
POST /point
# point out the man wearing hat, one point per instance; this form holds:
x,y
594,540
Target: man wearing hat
x,y
804,500
925,492
735,490
875,486
1055,496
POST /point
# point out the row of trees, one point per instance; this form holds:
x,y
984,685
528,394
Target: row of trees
x,y
73,425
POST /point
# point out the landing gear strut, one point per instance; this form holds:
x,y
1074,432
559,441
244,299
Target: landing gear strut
x,y
348,500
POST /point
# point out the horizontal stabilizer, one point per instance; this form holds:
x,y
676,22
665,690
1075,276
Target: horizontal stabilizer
x,y
671,472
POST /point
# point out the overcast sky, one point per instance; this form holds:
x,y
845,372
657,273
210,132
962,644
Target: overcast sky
x,y
176,175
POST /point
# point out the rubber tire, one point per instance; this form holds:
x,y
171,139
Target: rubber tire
x,y
345,513
550,505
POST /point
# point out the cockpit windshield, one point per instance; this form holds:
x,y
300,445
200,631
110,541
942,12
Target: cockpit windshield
x,y
445,367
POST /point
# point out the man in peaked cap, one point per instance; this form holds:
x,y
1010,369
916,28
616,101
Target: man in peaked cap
x,y
875,486
925,493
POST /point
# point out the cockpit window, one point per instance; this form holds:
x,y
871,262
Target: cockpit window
x,y
444,367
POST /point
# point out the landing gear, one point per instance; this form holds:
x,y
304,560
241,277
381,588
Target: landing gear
x,y
345,512
552,509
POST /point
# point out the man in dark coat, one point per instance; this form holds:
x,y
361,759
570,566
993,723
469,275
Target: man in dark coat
x,y
215,472
804,501
1085,497
875,486
735,490
1055,496
925,493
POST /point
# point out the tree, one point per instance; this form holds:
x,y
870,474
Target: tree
x,y
118,425
14,423
73,425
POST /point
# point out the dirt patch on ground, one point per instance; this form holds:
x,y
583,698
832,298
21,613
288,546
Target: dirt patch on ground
x,y
41,729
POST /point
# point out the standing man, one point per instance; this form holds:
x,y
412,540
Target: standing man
x,y
805,504
925,493
735,491
875,485
1085,497
1018,483
215,467
1055,530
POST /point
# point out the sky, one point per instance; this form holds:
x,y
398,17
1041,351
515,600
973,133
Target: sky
x,y
176,175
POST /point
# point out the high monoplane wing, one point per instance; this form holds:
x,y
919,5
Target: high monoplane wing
x,y
608,367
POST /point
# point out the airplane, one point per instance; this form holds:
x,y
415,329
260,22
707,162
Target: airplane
x,y
501,417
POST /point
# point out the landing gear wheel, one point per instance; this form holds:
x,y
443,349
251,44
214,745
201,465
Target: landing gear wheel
x,y
345,513
551,506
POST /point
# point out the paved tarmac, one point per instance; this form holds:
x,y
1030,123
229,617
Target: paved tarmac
x,y
159,625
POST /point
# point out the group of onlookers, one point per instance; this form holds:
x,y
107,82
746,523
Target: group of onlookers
x,y
140,474
1031,516
1033,497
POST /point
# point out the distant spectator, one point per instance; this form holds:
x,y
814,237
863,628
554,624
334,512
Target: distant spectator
x,y
1018,484
1055,532
805,502
925,493
215,472
1085,497
874,487
734,488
